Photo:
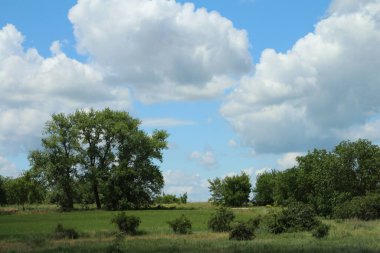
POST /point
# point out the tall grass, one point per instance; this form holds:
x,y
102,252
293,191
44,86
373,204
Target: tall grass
x,y
31,232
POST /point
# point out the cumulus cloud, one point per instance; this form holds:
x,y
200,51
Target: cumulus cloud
x,y
288,160
179,182
206,158
162,49
33,87
8,169
323,89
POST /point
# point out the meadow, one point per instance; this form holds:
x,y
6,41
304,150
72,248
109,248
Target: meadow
x,y
31,230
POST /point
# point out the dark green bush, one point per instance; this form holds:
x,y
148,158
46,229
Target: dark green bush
x,y
363,207
242,231
61,233
126,224
321,231
221,220
296,217
181,225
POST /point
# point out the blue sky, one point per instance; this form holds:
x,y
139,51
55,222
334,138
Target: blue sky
x,y
240,85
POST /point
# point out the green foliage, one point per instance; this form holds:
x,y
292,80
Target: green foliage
x,y
126,224
231,191
264,189
321,231
181,225
65,233
106,154
220,221
363,207
242,231
171,199
324,179
296,217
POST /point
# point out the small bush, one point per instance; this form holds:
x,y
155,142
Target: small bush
x,y
126,224
321,231
181,225
296,217
254,223
221,220
242,231
61,233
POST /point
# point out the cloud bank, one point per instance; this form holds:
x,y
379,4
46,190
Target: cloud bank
x,y
324,89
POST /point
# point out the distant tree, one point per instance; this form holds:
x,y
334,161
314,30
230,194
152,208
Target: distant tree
x,y
183,198
231,191
3,193
264,189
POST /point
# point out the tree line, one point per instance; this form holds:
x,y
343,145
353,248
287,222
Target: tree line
x,y
86,157
327,180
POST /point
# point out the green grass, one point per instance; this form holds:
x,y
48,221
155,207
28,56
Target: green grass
x,y
30,231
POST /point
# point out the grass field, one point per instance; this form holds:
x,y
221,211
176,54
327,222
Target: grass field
x,y
30,231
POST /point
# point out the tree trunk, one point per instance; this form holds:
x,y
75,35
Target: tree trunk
x,y
96,194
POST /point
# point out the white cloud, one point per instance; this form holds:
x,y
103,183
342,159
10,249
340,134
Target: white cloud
x,y
33,87
326,85
179,181
288,160
162,49
8,169
232,143
206,158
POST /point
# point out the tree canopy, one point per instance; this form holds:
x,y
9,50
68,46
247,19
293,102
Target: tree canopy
x,y
100,157
230,191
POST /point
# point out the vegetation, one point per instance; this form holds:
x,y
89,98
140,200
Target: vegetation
x,y
221,220
171,199
296,217
181,225
241,231
324,179
31,230
65,233
99,157
231,191
126,224
321,231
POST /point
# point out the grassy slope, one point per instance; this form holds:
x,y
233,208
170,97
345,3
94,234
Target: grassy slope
x,y
28,231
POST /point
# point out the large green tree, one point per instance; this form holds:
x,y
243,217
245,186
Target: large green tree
x,y
106,153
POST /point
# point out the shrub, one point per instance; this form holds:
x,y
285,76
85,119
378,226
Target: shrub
x,y
61,233
221,220
126,224
242,231
363,207
181,225
296,217
321,231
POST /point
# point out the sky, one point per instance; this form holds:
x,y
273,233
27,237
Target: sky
x,y
240,85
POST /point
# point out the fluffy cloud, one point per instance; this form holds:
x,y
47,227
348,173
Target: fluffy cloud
x,y
33,87
206,158
7,168
179,182
162,49
288,160
323,89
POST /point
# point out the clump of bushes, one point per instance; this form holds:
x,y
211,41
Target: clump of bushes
x,y
296,217
321,231
242,231
362,207
126,224
181,225
221,220
65,233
